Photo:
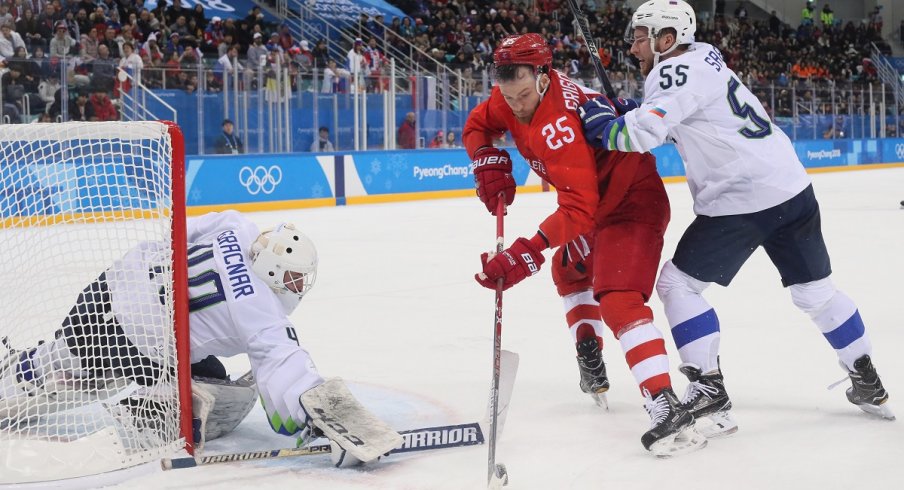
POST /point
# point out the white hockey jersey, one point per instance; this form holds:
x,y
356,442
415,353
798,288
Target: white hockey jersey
x,y
232,312
737,161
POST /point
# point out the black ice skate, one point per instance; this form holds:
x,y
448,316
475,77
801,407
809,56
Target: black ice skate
x,y
593,371
672,426
708,401
867,391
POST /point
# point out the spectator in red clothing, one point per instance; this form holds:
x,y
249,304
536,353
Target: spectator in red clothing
x,y
213,36
407,138
102,107
285,38
437,141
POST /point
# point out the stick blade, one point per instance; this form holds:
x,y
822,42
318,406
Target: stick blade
x,y
499,478
508,370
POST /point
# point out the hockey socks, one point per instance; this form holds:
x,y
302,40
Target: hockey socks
x,y
697,339
583,317
645,353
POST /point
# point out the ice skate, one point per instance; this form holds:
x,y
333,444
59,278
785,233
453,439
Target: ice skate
x,y
593,371
672,430
17,394
708,401
12,383
8,363
867,391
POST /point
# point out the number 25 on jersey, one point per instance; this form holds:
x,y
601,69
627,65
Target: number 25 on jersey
x,y
557,136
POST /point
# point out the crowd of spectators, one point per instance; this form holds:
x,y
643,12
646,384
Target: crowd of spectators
x,y
463,34
90,41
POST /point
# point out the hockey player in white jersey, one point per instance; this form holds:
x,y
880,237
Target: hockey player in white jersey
x,y
749,190
242,285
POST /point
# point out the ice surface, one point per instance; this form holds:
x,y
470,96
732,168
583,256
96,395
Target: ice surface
x,y
396,313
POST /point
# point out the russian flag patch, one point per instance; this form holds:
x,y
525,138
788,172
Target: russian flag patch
x,y
658,112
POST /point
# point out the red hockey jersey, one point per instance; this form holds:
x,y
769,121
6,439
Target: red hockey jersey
x,y
590,183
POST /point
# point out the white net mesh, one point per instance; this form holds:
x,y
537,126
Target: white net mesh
x,y
88,359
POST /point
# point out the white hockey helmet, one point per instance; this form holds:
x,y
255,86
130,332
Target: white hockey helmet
x,y
657,15
286,260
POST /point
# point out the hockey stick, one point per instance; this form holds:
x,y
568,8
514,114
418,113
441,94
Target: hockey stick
x,y
497,476
441,437
584,26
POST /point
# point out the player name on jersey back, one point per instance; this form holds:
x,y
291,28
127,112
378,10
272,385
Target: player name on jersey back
x,y
236,269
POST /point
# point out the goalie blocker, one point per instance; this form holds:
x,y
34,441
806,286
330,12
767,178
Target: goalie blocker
x,y
355,434
428,438
333,410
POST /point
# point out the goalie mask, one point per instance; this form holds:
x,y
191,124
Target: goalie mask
x,y
657,15
286,260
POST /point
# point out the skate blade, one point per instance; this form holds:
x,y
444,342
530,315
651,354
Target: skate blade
x,y
718,424
601,400
883,410
499,478
686,441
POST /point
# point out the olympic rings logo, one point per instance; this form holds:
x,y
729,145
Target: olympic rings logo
x,y
899,151
260,179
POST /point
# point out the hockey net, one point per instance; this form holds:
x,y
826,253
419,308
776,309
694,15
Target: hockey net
x,y
94,318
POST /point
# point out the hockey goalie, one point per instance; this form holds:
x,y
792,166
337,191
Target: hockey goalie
x,y
243,284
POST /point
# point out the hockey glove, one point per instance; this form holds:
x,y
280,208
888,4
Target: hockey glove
x,y
515,263
603,127
493,174
595,115
624,106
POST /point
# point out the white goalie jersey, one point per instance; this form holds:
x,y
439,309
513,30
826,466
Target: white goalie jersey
x,y
737,160
232,312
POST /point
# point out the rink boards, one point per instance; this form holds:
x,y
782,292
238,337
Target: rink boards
x,y
274,182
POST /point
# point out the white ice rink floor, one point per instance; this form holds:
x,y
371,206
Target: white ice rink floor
x,y
396,313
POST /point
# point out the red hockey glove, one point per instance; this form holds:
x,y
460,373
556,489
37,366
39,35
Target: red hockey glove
x,y
515,263
492,175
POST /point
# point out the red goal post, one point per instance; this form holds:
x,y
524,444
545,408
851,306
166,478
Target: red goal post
x,y
95,366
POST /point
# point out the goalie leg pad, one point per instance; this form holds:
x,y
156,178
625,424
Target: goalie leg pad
x,y
220,405
331,408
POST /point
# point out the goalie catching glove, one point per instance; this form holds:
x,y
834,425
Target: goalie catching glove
x,y
522,259
493,175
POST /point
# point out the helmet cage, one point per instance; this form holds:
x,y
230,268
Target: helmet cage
x,y
286,260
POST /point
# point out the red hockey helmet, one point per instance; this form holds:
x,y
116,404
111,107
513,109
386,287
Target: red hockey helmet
x,y
523,49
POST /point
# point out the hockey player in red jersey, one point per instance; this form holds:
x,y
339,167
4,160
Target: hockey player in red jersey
x,y
607,229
